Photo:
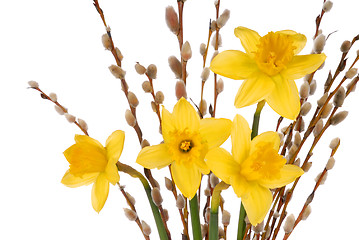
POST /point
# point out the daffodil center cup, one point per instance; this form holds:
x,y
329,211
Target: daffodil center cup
x,y
275,51
263,163
186,146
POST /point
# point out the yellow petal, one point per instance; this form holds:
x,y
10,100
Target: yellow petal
x,y
287,175
241,138
185,116
70,180
114,146
83,139
253,90
167,124
186,177
249,39
233,64
215,131
270,137
111,172
302,65
155,156
257,202
299,40
284,98
239,185
202,166
222,164
99,192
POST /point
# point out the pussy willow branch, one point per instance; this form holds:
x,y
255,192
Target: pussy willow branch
x,y
311,196
153,96
216,49
45,96
138,221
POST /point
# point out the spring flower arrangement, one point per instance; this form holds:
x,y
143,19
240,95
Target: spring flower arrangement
x,y
262,168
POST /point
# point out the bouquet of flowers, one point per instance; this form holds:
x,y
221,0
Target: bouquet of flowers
x,y
204,154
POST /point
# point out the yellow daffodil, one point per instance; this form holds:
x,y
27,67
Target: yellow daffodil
x,y
90,162
269,67
253,168
187,139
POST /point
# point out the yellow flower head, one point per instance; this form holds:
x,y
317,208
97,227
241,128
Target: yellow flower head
x,y
187,139
253,168
269,67
90,162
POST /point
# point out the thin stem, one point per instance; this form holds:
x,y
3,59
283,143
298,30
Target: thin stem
x,y
213,220
196,224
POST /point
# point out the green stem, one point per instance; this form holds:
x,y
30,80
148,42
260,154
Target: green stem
x,y
242,212
213,220
196,225
156,213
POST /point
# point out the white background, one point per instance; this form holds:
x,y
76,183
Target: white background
x,y
58,44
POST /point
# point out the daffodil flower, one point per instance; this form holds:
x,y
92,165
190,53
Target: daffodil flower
x,y
90,162
269,67
187,139
253,168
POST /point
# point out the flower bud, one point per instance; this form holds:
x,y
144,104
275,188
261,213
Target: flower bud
x,y
213,179
146,86
33,84
180,90
223,18
140,69
318,128
204,229
156,196
306,166
319,43
352,85
130,119
132,99
202,49
351,73
152,71
82,124
327,6
258,228
220,86
305,108
154,109
334,143
344,48
289,224
59,110
304,90
70,118
326,110
330,163
324,178
186,51
175,66
213,25
117,71
118,54
180,202
339,97
146,228
214,40
172,20
165,215
168,184
131,198
203,107
226,218
53,97
322,100
145,143
307,212
339,117
106,42
205,74
297,139
130,214
312,87
159,97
